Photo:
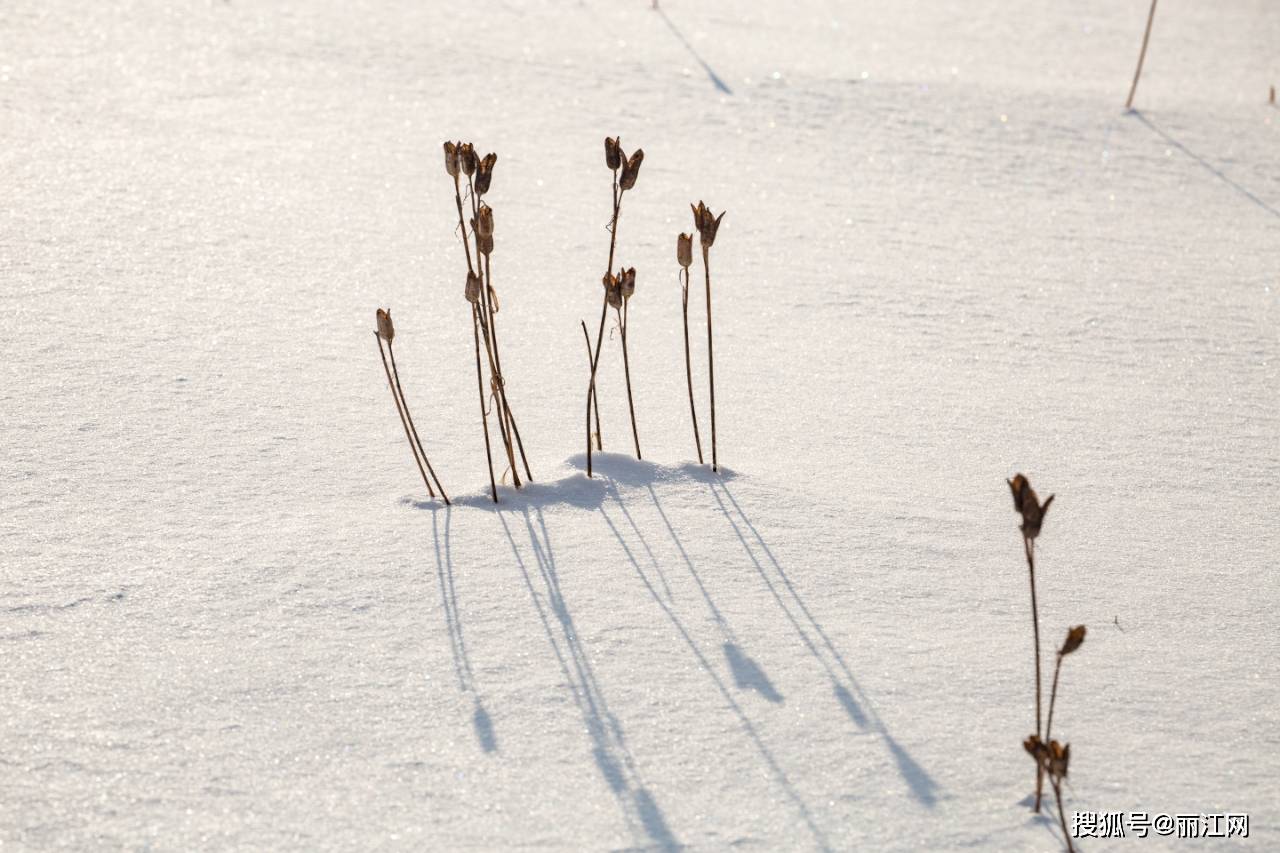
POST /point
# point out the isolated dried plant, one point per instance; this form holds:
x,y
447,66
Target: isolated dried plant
x,y
684,257
625,171
386,331
707,224
1032,511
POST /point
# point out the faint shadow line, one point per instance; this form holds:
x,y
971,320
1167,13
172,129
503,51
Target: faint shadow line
x,y
609,747
747,726
1212,169
480,719
860,709
715,78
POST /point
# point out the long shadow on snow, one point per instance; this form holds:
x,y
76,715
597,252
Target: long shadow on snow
x,y
480,719
846,690
609,744
1209,167
715,78
748,728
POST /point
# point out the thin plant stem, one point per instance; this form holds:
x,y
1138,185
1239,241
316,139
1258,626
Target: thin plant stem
x,y
409,416
400,411
626,368
711,360
1062,818
604,312
1142,54
484,417
586,337
502,384
1029,546
688,367
1053,697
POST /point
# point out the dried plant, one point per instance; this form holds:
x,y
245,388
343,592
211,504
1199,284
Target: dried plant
x,y
586,337
1032,511
1053,758
684,257
1142,54
625,171
707,225
386,331
461,161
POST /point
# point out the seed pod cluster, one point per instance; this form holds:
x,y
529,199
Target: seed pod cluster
x,y
1026,504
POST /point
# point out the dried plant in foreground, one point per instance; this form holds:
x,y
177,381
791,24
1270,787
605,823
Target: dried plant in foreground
x,y
684,257
1052,758
461,160
625,171
1142,54
1032,511
386,331
707,225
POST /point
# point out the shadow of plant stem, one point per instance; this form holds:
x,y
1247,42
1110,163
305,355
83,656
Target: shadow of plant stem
x,y
461,159
625,171
610,751
684,256
386,332
920,783
726,695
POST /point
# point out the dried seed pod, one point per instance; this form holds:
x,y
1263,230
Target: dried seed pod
x,y
484,226
1033,746
486,245
1075,637
473,287
1028,505
613,152
627,282
484,173
706,223
630,170
614,294
1058,759
451,159
684,250
467,157
607,281
386,329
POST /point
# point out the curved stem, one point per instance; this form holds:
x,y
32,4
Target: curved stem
x,y
591,386
413,429
688,366
1029,546
400,410
1053,697
586,337
1142,54
626,368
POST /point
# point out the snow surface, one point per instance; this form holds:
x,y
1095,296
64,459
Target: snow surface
x,y
230,619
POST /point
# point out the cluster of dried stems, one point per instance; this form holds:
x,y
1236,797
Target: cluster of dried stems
x,y
618,289
386,331
1050,756
706,224
461,161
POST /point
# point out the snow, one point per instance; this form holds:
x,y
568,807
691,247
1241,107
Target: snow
x,y
229,618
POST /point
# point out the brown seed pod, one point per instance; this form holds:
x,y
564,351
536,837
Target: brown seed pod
x,y
613,152
486,245
1058,759
1028,505
627,282
630,170
467,157
451,159
684,250
473,287
484,173
484,226
1075,637
706,223
386,329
